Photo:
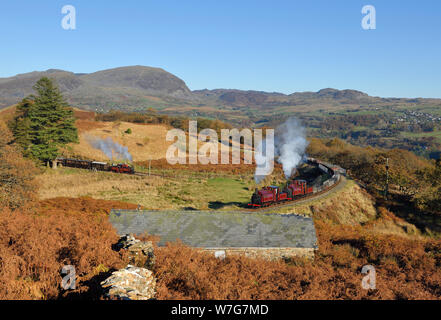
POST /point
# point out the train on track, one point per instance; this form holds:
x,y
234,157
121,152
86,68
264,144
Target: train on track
x,y
96,165
265,197
298,188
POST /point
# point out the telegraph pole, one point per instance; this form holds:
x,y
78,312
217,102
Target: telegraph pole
x,y
386,189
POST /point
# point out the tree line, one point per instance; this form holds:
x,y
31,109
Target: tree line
x,y
150,116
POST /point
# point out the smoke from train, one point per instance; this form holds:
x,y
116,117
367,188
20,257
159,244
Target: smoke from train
x,y
289,148
112,149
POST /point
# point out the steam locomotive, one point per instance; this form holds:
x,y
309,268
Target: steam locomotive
x,y
96,165
274,194
295,189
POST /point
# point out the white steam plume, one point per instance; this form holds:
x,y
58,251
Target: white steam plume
x,y
289,148
264,157
110,148
290,141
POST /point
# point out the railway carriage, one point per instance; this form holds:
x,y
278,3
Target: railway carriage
x,y
96,165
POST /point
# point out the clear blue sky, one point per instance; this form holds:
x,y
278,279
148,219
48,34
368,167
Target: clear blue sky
x,y
283,46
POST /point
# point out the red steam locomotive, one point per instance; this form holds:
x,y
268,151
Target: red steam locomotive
x,y
122,168
272,194
294,189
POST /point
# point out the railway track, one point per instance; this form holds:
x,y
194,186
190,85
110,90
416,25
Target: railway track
x,y
341,180
211,175
310,197
142,174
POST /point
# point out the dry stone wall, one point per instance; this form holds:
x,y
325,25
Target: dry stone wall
x,y
271,254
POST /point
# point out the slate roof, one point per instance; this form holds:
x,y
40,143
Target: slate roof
x,y
219,229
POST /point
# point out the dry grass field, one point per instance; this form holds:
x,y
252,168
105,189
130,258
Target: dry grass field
x,y
144,142
182,191
69,182
350,205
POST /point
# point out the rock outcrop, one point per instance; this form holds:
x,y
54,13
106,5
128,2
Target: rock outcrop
x,y
130,283
141,254
136,281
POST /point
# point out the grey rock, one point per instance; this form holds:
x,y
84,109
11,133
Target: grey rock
x,y
130,283
141,254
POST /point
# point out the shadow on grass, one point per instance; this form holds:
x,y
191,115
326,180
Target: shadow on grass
x,y
403,208
219,205
190,209
89,289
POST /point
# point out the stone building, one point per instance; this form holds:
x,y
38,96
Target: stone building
x,y
271,236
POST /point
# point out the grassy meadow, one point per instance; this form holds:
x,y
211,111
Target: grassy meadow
x,y
151,192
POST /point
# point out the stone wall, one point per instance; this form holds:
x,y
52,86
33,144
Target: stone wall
x,y
270,254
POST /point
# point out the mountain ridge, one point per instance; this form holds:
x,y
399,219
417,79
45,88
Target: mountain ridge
x,y
138,87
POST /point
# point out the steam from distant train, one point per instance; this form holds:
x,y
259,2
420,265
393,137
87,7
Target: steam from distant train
x,y
112,149
289,148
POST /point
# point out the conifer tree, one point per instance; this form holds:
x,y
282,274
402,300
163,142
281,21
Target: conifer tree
x,y
44,122
21,126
